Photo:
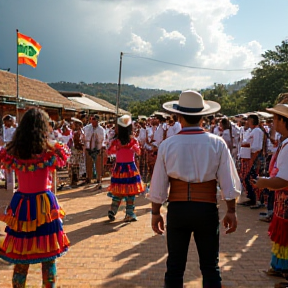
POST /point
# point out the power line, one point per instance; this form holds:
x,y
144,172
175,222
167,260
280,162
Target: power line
x,y
130,55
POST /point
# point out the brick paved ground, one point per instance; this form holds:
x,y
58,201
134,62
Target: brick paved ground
x,y
116,254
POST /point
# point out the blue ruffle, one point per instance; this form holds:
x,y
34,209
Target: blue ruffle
x,y
279,264
33,261
31,197
43,230
131,180
125,167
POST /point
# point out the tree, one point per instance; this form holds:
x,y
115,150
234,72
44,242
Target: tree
x,y
269,79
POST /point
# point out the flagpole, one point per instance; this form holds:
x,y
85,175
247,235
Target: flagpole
x,y
17,79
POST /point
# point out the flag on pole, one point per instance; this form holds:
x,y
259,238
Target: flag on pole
x,y
28,50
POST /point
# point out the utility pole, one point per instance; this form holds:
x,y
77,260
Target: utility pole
x,y
119,86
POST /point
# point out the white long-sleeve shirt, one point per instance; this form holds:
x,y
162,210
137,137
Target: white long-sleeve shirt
x,y
255,139
282,163
142,136
94,136
159,135
194,158
8,133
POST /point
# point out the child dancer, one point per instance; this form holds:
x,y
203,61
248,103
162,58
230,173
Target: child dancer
x,y
125,181
34,226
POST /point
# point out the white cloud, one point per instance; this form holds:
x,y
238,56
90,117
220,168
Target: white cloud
x,y
174,35
139,46
83,41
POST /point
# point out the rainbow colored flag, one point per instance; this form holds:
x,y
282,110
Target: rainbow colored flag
x,y
28,50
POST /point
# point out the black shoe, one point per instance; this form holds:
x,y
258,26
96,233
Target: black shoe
x,y
111,215
257,206
247,203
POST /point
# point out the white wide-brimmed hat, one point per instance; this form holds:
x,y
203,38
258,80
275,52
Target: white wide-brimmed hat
x,y
280,109
124,121
74,119
192,103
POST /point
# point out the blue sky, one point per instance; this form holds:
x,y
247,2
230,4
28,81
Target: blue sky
x,y
265,21
82,39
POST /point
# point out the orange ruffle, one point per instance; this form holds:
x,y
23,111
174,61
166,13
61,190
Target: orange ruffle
x,y
127,189
35,245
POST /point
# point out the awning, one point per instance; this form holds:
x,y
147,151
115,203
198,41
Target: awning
x,y
90,104
265,114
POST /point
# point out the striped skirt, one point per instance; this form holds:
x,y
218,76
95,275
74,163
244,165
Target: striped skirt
x,y
126,180
34,229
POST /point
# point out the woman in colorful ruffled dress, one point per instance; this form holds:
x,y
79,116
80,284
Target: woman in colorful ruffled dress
x,y
278,181
34,226
125,181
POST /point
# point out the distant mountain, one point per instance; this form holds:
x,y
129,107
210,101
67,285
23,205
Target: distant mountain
x,y
129,93
108,91
236,86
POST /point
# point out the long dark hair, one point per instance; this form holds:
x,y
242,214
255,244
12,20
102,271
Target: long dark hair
x,y
124,134
30,136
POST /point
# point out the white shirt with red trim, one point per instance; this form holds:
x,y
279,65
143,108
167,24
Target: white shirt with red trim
x,y
194,158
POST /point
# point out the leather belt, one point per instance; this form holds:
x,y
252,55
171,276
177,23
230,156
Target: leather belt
x,y
198,192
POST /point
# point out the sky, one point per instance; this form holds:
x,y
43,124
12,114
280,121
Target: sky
x,y
82,39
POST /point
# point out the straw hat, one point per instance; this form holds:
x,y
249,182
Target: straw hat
x,y
124,121
74,119
192,103
280,109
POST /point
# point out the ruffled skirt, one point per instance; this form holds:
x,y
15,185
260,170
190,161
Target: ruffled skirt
x,y
126,180
278,232
34,229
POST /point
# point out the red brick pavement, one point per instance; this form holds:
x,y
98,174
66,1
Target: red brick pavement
x,y
116,254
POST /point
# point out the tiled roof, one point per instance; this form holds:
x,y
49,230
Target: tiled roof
x,y
100,101
106,104
90,104
32,90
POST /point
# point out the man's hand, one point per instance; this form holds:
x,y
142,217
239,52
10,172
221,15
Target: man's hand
x,y
157,224
230,222
260,182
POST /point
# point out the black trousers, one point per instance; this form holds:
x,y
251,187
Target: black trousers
x,y
202,219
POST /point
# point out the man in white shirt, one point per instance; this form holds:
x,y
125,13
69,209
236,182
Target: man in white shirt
x,y
9,128
159,134
191,163
94,144
142,133
177,125
256,167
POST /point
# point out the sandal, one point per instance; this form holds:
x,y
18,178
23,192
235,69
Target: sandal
x,y
272,272
281,285
267,219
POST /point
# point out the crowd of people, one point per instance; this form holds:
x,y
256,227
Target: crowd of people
x,y
189,150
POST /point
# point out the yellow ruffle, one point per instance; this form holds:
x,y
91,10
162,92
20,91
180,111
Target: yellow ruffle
x,y
281,252
43,215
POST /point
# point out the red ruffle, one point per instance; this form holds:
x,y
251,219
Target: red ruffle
x,y
278,230
56,156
